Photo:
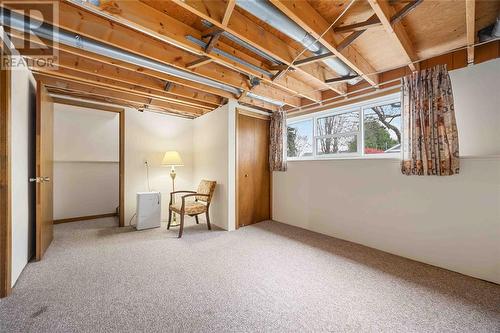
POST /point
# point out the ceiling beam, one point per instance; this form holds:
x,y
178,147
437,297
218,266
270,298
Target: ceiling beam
x,y
90,97
104,93
181,87
161,26
116,88
96,27
310,20
132,89
470,19
397,31
246,30
200,62
229,10
87,62
100,99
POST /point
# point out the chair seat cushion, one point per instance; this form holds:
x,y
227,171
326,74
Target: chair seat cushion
x,y
190,208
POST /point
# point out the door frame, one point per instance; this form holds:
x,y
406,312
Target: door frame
x,y
5,178
249,112
121,162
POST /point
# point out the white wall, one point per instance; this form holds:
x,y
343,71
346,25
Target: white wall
x,y
86,155
85,189
83,134
451,222
21,78
147,136
477,106
214,159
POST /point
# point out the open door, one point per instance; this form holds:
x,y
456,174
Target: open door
x,y
44,170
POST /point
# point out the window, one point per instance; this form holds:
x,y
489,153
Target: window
x,y
382,128
299,139
337,134
366,129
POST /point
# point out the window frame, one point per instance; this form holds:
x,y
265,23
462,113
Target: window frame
x,y
360,107
312,138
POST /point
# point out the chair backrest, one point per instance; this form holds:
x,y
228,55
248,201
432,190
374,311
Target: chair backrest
x,y
206,187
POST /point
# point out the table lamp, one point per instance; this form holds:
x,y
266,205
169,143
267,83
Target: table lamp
x,y
172,159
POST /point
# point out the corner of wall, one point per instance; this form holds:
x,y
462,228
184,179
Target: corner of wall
x,y
231,177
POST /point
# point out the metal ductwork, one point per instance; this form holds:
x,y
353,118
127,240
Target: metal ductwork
x,y
265,99
266,12
490,32
241,42
47,31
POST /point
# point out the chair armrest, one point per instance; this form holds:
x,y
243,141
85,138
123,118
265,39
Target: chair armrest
x,y
182,192
175,192
191,195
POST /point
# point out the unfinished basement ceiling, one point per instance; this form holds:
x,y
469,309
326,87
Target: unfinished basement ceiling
x,y
177,33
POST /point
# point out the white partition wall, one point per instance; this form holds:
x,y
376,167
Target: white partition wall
x,y
214,159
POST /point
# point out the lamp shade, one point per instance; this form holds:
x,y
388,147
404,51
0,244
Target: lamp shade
x,y
172,158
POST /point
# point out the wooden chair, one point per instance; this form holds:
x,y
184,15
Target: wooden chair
x,y
200,205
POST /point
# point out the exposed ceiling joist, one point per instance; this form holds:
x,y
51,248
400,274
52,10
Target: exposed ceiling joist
x,y
470,19
80,95
90,25
229,10
104,92
160,25
89,63
397,31
310,20
200,62
64,75
246,30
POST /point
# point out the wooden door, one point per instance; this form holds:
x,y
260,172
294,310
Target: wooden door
x,y
253,170
44,170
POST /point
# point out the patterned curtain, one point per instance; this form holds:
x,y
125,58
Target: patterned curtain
x,y
277,149
430,136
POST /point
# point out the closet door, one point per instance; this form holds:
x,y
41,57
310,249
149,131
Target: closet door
x,y
253,170
261,175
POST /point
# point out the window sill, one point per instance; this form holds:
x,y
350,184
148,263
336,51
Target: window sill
x,y
390,157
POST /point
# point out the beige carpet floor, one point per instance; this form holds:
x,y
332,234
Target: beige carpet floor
x,y
269,277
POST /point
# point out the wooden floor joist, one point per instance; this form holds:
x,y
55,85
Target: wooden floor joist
x,y
397,31
139,15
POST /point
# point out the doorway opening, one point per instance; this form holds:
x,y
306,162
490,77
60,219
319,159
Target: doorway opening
x,y
88,161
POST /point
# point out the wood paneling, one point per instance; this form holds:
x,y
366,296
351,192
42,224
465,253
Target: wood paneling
x,y
254,186
44,169
5,183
